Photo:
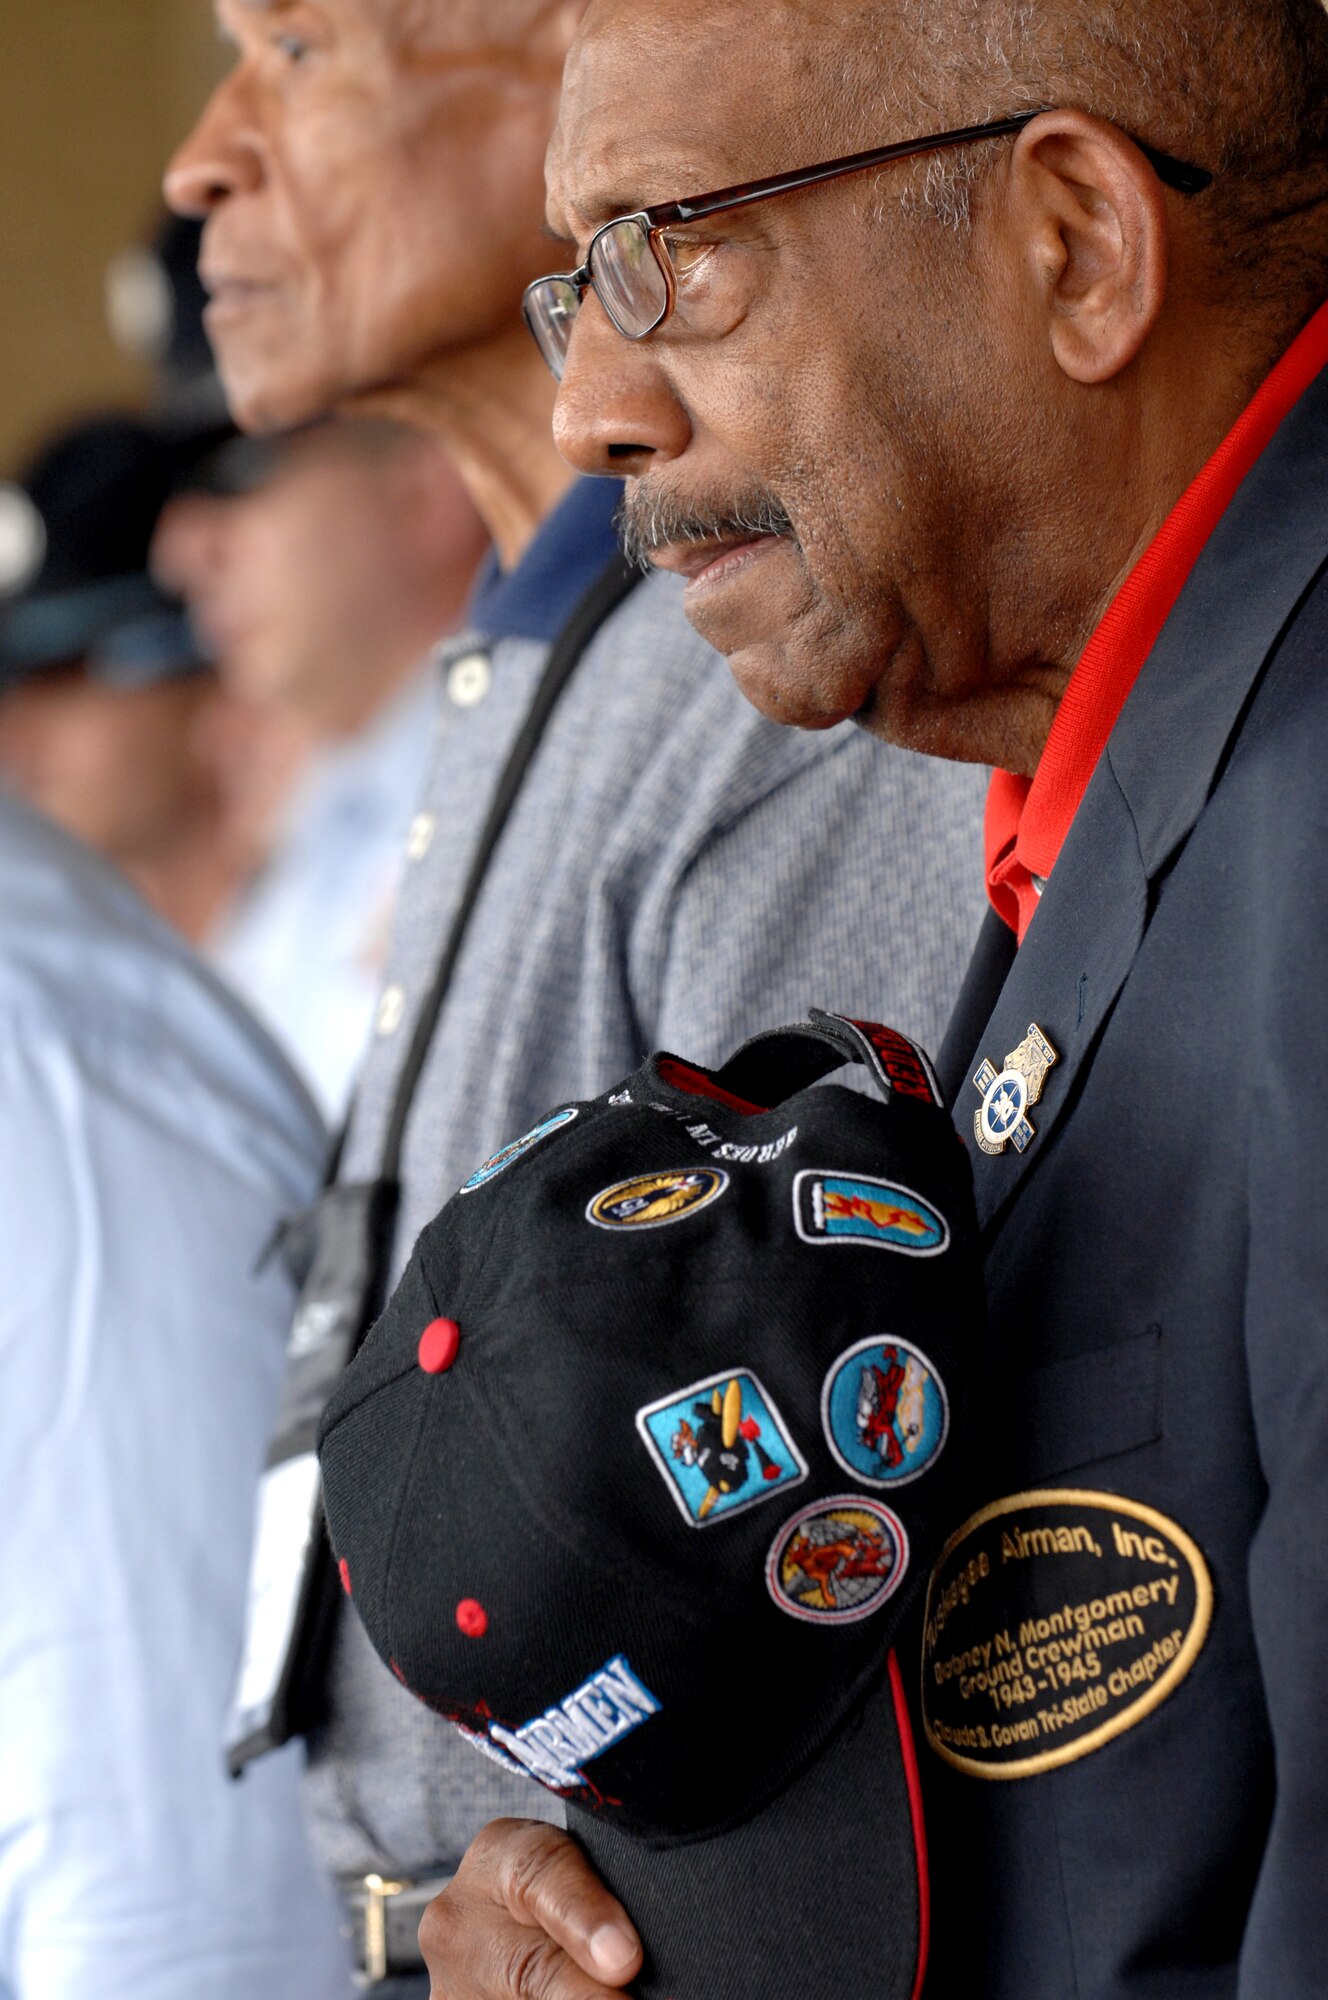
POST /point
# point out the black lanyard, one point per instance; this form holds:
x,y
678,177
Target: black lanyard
x,y
342,1251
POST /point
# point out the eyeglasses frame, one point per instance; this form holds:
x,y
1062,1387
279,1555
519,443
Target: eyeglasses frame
x,y
1180,175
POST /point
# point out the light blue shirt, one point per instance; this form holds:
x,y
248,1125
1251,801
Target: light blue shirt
x,y
305,945
149,1138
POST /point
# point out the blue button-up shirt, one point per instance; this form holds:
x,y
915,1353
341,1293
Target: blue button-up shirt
x,y
149,1137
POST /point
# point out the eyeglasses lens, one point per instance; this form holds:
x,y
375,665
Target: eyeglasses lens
x,y
629,282
551,306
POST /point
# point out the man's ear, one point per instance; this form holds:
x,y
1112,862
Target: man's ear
x,y
1092,219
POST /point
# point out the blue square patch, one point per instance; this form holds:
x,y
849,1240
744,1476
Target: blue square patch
x,y
721,1446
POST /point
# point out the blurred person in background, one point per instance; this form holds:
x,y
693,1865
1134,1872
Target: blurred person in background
x,y
337,573
104,692
256,750
150,1137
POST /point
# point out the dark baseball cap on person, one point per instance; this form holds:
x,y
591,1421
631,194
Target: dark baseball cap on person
x,y
643,1467
75,536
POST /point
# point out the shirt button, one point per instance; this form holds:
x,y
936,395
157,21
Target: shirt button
x,y
468,679
391,1008
421,835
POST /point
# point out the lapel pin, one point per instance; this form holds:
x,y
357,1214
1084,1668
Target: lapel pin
x,y
1007,1097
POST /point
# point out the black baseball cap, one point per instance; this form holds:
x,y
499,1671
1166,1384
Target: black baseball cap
x,y
75,536
642,1469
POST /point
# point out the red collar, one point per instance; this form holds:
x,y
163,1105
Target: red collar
x,y
1027,820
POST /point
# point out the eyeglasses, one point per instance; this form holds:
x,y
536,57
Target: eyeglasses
x,y
632,271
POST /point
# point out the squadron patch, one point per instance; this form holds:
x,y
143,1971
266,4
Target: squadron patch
x,y
837,1561
650,1200
1056,1620
1002,1117
853,1208
721,1446
513,1152
885,1411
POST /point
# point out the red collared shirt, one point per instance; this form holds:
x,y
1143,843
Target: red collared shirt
x,y
1028,819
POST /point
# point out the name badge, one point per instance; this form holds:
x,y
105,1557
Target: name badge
x,y
1056,1620
292,1583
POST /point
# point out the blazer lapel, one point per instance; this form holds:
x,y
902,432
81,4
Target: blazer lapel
x,y
988,970
1152,782
1073,962
1170,743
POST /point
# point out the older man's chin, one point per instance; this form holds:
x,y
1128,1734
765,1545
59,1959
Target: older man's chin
x,y
779,651
269,382
788,689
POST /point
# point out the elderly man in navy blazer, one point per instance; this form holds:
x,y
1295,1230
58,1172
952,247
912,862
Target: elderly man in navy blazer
x,y
1013,444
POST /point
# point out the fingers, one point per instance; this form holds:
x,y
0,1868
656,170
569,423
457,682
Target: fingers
x,y
527,1918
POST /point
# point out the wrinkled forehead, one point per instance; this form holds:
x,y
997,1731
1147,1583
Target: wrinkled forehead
x,y
410,23
668,98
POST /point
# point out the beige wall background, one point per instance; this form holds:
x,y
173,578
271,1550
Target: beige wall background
x,y
93,96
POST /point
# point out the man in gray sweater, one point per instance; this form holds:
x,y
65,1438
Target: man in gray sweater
x,y
675,871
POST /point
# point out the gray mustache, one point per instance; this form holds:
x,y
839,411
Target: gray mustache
x,y
648,521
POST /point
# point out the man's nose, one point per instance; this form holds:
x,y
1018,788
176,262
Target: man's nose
x,y
222,156
617,413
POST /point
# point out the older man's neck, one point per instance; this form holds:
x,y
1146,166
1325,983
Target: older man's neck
x,y
491,407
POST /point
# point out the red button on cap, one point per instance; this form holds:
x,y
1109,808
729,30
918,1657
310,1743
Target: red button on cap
x,y
472,1618
438,1346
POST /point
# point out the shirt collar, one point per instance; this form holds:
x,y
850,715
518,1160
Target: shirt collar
x,y
1027,820
570,549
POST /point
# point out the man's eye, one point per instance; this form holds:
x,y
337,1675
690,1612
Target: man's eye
x,y
293,47
687,254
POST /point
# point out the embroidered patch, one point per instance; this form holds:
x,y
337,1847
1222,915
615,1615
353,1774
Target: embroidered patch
x,y
1056,1620
851,1208
885,1411
650,1200
598,1714
721,1446
512,1152
837,1561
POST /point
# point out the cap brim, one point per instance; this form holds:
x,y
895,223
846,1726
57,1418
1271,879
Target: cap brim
x,y
45,629
823,1894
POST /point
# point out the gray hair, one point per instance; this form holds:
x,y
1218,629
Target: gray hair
x,y
1239,86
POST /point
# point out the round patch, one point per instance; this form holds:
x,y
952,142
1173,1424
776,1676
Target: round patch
x,y
651,1200
1004,1103
1056,1620
837,1561
513,1152
885,1411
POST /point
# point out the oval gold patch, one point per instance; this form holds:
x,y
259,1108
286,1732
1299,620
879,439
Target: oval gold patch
x,y
1055,1621
652,1199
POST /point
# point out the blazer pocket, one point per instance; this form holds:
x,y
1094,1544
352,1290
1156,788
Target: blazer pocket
x,y
1074,1413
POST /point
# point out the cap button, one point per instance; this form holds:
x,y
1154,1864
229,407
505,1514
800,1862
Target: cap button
x,y
472,1618
438,1346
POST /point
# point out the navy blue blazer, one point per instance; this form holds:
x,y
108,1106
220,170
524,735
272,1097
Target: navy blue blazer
x,y
1128,1790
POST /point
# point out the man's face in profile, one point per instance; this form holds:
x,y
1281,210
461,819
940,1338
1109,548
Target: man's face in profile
x,y
845,394
117,766
370,171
